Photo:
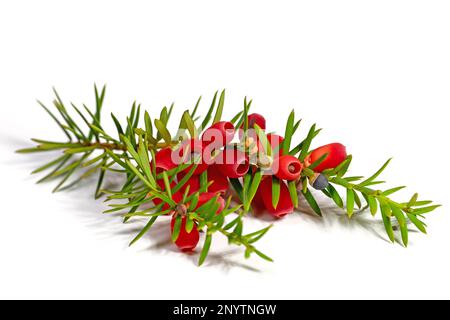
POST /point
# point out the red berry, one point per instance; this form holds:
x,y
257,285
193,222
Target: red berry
x,y
258,203
219,134
163,160
191,151
220,182
336,154
256,118
287,167
284,205
186,241
233,163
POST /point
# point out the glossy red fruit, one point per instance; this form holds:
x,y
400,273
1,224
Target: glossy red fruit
x,y
288,167
219,180
258,203
336,154
284,206
163,160
219,134
191,151
207,196
233,163
186,241
254,118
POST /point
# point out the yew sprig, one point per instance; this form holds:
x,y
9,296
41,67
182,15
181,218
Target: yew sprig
x,y
203,196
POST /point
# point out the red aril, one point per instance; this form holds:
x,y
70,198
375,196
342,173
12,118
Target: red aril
x,y
335,155
288,167
186,241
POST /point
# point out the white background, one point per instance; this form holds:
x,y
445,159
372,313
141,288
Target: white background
x,y
374,74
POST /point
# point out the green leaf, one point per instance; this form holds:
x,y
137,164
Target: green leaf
x,y
376,174
373,205
425,209
299,147
341,169
167,184
357,199
413,200
307,143
237,187
176,228
70,170
398,214
131,149
95,159
236,117
262,255
145,161
55,119
102,133
210,111
137,173
387,221
275,191
144,230
238,229
422,203
101,177
193,113
419,224
263,140
205,250
189,224
190,124
79,150
257,177
56,169
334,194
194,201
219,111
232,223
293,193
71,166
116,158
50,164
393,190
148,124
185,179
255,236
162,129
318,161
312,202
385,208
204,181
350,202
288,133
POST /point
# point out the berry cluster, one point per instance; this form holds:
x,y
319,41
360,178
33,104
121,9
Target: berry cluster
x,y
215,154
213,168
